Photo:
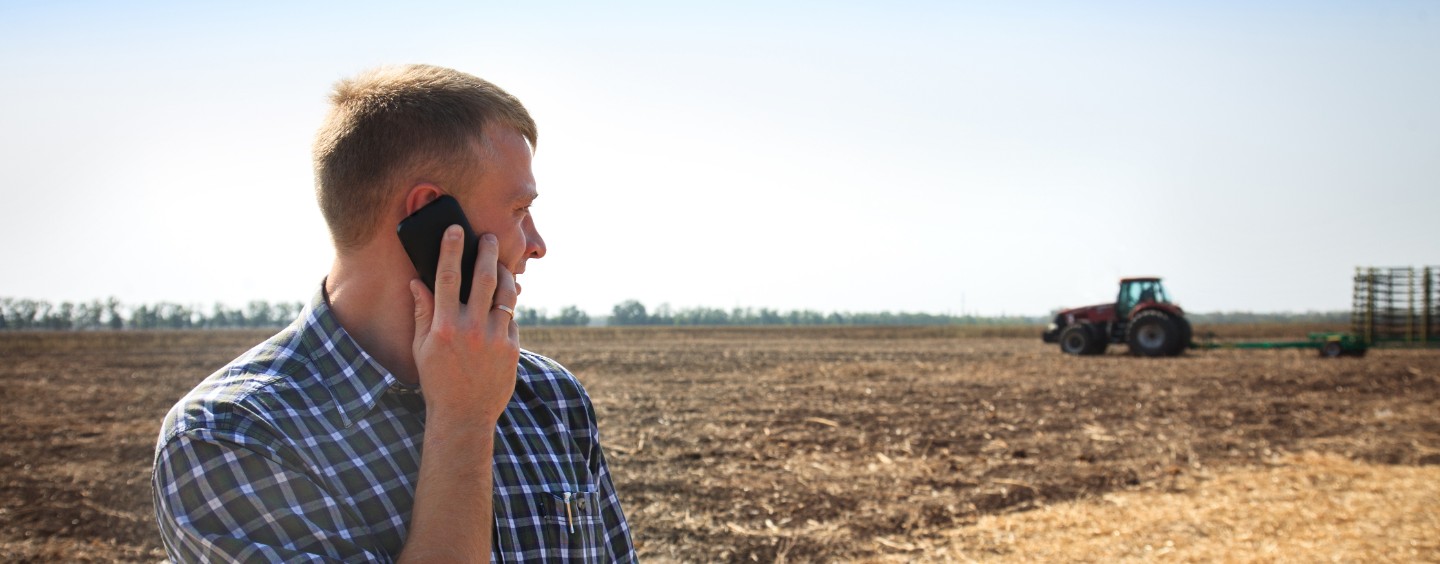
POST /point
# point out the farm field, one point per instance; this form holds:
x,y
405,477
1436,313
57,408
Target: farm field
x,y
846,444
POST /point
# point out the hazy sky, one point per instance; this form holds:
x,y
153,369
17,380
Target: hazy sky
x,y
993,157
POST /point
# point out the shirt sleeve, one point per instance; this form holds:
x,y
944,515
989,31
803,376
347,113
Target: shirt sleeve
x,y
227,499
617,531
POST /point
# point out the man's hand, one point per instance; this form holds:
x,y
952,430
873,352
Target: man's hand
x,y
466,353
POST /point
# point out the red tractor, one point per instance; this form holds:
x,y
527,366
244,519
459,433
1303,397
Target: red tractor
x,y
1142,317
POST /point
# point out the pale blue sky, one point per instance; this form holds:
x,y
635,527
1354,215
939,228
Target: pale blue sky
x,y
1000,157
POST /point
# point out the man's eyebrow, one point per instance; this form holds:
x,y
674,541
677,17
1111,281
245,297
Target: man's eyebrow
x,y
525,196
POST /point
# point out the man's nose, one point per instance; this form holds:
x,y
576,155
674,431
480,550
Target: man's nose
x,y
534,244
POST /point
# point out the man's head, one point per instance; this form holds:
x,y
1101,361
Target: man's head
x,y
392,129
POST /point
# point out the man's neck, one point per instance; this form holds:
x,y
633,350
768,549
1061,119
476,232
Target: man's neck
x,y
377,311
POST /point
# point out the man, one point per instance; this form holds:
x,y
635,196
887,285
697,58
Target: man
x,y
389,422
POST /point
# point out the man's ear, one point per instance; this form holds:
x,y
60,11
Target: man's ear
x,y
419,195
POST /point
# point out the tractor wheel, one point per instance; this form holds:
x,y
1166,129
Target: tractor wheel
x,y
1077,339
1186,334
1153,333
1331,349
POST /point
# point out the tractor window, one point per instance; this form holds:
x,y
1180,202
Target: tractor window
x,y
1135,293
1149,291
1129,296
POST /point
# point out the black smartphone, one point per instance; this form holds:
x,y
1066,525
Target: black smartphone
x,y
421,232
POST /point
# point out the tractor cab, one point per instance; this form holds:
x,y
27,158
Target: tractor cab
x,y
1136,292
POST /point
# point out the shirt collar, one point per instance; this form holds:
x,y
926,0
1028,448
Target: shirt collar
x,y
353,377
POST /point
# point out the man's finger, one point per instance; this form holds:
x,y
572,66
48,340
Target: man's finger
x,y
505,295
482,288
447,274
424,308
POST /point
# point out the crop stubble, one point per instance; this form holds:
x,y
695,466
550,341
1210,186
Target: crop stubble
x,y
798,444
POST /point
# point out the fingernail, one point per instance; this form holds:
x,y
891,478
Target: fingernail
x,y
453,232
490,237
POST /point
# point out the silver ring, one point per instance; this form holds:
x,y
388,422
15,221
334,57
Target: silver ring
x,y
506,309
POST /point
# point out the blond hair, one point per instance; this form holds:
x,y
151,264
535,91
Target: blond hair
x,y
401,124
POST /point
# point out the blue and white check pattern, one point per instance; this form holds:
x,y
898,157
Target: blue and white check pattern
x,y
306,449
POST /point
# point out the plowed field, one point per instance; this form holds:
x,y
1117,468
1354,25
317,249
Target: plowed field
x,y
802,444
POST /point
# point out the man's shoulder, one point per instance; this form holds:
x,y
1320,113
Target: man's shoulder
x,y
537,367
532,361
248,392
549,377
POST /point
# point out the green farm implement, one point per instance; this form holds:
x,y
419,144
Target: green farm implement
x,y
1330,345
1392,308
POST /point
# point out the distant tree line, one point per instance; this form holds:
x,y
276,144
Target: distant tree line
x,y
1239,317
569,316
111,314
26,314
632,312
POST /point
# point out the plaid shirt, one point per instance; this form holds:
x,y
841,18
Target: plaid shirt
x,y
306,449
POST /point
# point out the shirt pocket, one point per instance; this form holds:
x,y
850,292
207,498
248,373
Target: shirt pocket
x,y
576,517
550,526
